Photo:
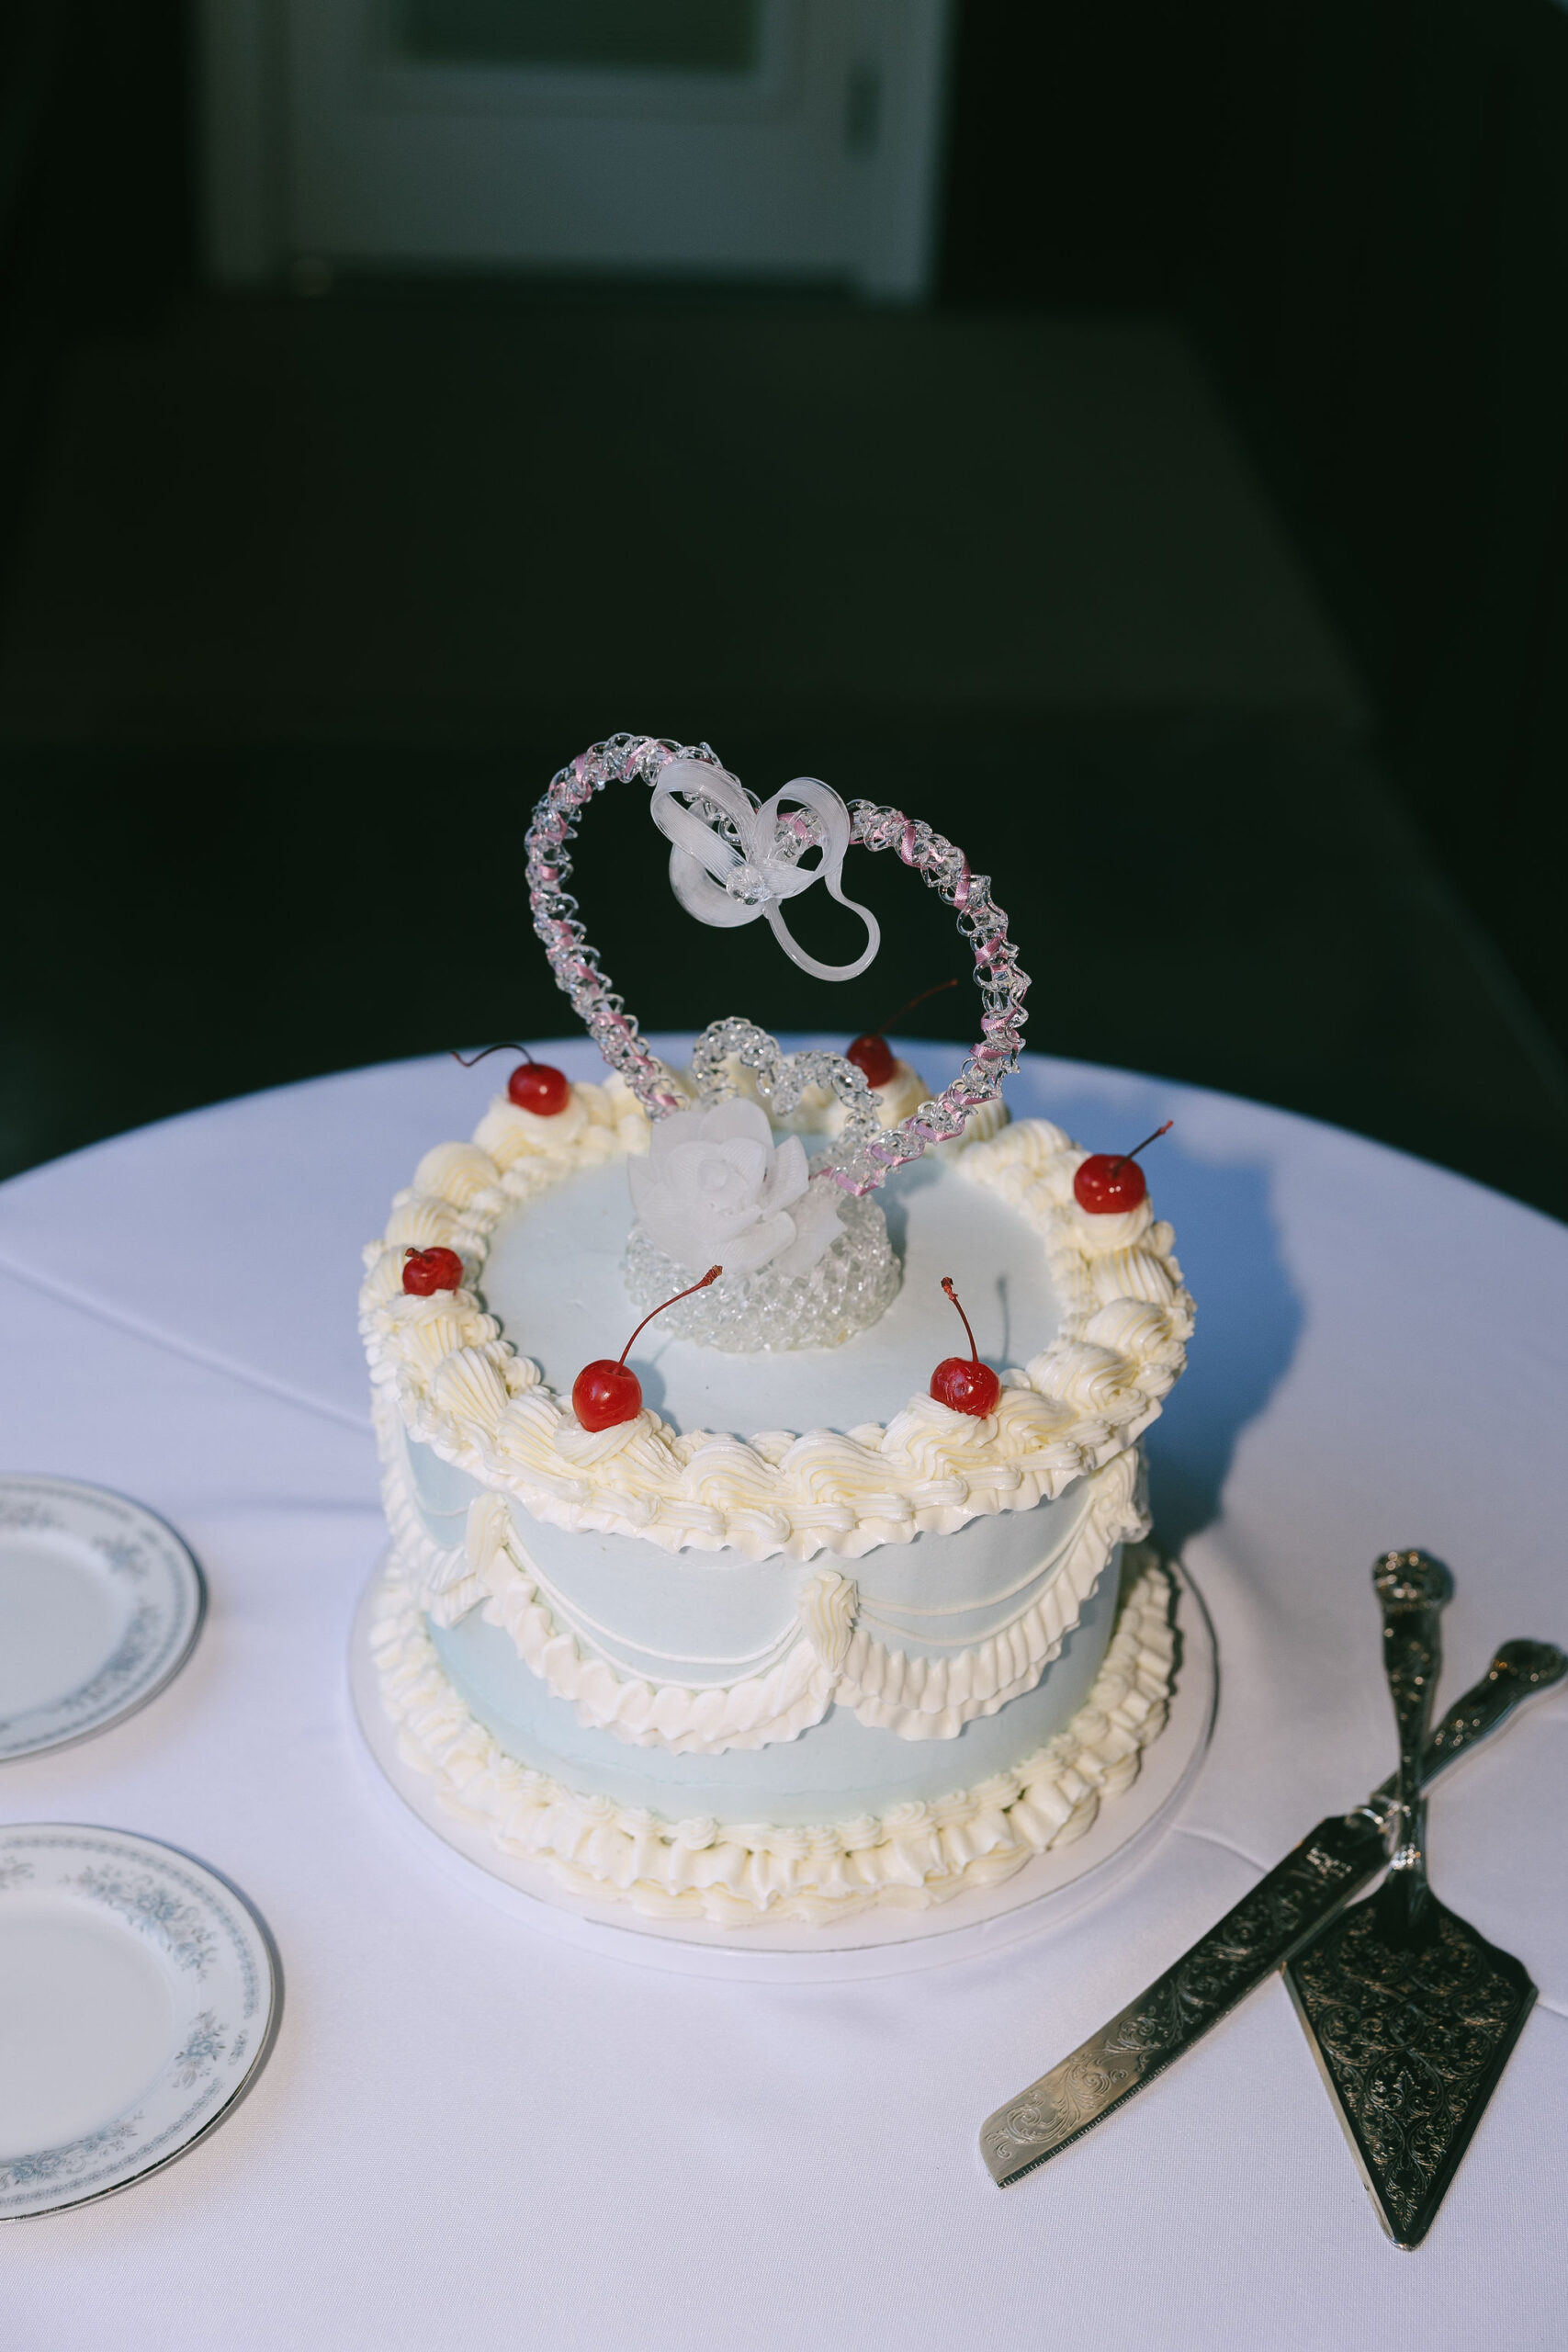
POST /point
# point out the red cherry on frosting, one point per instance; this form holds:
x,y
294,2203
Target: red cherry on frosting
x,y
536,1087
1105,1183
962,1382
873,1056
607,1391
1108,1182
966,1385
604,1393
428,1271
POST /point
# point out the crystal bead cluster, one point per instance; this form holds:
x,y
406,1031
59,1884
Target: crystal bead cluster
x,y
575,963
852,1284
782,1078
763,1307
1003,986
857,1165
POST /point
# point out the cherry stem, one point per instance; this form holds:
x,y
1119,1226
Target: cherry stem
x,y
1137,1147
711,1275
505,1047
947,1285
940,989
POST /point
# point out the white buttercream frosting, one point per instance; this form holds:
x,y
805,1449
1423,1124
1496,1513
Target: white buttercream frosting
x,y
917,1853
830,1653
459,1387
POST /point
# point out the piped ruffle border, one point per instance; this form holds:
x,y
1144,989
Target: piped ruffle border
x,y
735,1875
830,1658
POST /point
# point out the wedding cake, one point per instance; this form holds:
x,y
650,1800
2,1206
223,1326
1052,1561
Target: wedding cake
x,y
810,1600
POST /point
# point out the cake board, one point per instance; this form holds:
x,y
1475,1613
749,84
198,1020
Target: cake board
x,y
886,1942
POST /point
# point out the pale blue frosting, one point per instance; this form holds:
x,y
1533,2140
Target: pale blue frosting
x,y
553,1278
835,1770
705,1619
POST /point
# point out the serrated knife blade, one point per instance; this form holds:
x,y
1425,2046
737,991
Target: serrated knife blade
x,y
1283,1912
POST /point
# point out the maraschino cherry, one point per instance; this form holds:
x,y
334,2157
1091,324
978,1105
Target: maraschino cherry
x,y
873,1056
962,1382
1108,1182
533,1086
427,1270
608,1391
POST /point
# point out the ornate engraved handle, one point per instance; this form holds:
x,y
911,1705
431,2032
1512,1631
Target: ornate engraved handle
x,y
1285,1910
1412,1590
1517,1672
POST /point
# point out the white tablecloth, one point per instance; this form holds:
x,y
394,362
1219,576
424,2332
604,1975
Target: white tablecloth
x,y
470,2133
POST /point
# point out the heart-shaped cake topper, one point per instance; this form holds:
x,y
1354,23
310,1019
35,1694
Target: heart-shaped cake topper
x,y
859,1161
747,862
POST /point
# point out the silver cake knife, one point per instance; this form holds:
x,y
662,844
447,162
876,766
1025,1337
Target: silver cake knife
x,y
1340,1858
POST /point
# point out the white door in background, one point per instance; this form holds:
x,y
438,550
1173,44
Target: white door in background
x,y
761,139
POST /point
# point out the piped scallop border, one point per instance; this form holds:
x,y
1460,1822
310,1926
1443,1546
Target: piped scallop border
x,y
462,1388
826,1658
735,1874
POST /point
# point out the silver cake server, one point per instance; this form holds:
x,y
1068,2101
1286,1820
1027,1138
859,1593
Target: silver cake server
x,y
1285,1910
1411,2014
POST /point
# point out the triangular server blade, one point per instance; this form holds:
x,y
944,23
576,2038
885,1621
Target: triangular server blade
x,y
1411,2043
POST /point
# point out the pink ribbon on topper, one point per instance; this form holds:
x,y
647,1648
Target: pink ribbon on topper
x,y
857,1166
726,885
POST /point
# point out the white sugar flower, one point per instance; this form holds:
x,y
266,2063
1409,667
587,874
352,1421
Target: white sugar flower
x,y
714,1188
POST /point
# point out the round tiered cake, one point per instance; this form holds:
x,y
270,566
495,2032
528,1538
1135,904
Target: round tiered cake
x,y
797,1612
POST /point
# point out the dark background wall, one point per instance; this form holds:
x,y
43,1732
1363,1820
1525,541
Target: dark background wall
x,y
96,182
1350,216
1360,207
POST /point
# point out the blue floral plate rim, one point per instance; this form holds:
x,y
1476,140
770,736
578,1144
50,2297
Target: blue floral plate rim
x,y
223,1975
164,1596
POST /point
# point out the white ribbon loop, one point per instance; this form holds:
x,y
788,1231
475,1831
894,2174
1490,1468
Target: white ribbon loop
x,y
727,886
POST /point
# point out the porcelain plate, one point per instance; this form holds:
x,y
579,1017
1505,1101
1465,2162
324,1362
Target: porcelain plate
x,y
138,1996
100,1605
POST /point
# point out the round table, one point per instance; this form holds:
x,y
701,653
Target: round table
x,y
472,2131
